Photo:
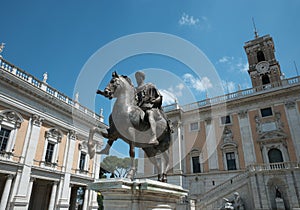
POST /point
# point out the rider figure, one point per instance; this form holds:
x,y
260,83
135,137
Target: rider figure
x,y
148,98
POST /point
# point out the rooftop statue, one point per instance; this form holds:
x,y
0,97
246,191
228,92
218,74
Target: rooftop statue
x,y
138,119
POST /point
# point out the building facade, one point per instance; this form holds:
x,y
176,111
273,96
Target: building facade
x,y
44,161
246,142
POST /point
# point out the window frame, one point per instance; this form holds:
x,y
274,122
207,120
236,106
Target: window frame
x,y
263,115
192,124
224,122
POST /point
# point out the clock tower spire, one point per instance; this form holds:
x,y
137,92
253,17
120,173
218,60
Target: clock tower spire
x,y
264,69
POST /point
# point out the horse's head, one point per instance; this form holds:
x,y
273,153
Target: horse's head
x,y
117,84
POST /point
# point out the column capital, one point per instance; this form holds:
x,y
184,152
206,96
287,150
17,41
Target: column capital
x,y
290,104
72,134
37,120
208,120
10,176
243,113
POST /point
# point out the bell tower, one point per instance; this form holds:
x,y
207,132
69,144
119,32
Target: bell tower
x,y
264,69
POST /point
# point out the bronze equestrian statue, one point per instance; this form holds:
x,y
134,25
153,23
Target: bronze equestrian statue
x,y
138,119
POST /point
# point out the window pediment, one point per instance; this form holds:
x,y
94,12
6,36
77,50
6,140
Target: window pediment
x,y
12,118
54,134
271,136
229,145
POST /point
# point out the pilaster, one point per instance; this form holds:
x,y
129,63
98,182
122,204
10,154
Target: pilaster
x,y
20,200
211,144
246,137
294,125
63,203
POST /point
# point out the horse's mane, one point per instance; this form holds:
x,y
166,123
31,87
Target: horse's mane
x,y
128,80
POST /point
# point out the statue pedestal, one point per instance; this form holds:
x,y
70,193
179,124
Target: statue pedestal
x,y
279,204
146,194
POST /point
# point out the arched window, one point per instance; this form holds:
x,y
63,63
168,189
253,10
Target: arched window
x,y
275,156
265,79
260,56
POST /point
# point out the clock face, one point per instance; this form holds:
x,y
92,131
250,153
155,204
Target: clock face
x,y
262,66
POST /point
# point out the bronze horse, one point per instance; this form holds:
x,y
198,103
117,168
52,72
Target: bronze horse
x,y
128,122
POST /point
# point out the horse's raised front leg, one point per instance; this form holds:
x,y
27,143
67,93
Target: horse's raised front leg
x,y
91,143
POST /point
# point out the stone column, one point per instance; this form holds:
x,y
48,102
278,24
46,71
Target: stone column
x,y
294,125
63,203
6,191
177,153
20,200
86,199
211,145
246,137
53,196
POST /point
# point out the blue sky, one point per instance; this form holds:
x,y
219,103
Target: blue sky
x,y
59,37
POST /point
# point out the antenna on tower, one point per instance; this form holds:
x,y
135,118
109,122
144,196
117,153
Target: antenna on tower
x,y
255,31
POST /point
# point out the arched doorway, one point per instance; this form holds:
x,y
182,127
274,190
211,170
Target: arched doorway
x,y
275,156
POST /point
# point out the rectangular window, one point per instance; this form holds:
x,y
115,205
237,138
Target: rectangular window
x,y
266,112
194,126
49,152
82,161
225,120
4,136
196,164
230,158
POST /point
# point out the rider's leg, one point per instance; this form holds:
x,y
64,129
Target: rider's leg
x,y
153,139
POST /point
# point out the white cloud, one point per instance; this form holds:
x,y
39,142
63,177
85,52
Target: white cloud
x,y
229,87
168,97
234,64
186,19
243,67
225,59
198,84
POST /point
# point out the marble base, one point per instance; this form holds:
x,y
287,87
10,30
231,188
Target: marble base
x,y
146,194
